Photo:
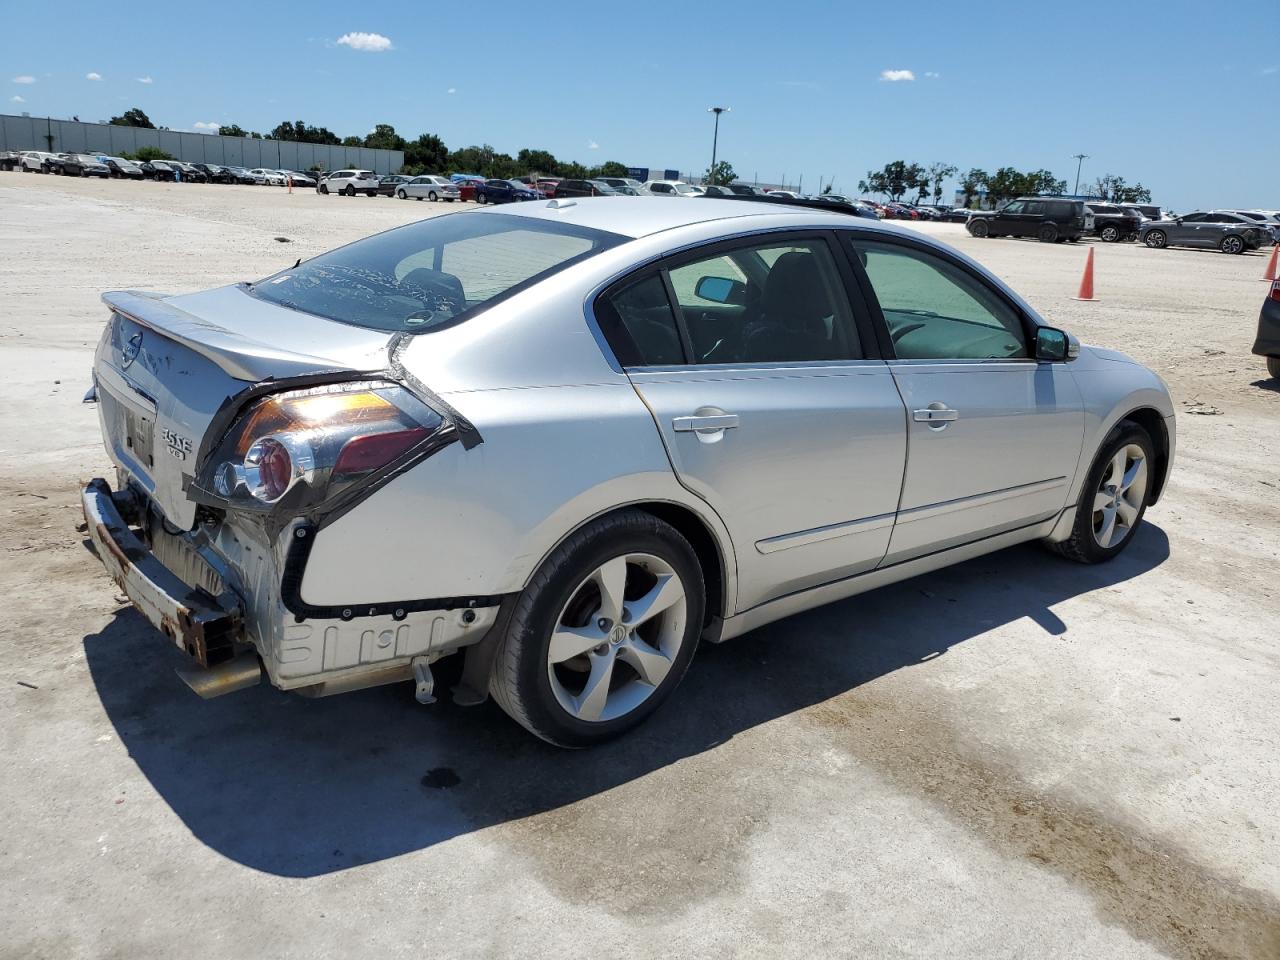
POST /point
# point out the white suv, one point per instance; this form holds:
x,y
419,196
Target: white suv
x,y
349,183
35,161
671,188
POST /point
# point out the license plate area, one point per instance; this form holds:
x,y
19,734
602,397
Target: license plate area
x,y
139,436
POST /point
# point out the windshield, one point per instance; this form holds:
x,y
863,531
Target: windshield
x,y
427,274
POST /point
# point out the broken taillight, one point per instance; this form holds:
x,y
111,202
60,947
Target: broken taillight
x,y
304,447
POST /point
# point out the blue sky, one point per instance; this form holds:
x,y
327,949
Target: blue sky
x,y
1179,95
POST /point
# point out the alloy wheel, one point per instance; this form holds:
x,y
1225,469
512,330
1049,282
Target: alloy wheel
x,y
1120,496
617,637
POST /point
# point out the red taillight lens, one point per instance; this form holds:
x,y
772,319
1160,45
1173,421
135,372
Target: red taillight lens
x,y
1275,290
376,450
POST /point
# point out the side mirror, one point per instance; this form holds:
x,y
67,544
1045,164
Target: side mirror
x,y
721,290
1053,344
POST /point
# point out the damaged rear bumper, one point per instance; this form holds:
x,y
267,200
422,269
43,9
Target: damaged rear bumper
x,y
198,623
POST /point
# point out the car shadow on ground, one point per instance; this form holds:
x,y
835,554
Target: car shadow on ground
x,y
299,788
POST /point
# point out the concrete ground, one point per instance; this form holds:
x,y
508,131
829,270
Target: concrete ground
x,y
1020,757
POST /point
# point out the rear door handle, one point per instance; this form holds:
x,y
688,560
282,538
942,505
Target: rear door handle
x,y
724,421
936,415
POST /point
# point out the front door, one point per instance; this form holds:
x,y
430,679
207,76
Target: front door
x,y
993,436
770,408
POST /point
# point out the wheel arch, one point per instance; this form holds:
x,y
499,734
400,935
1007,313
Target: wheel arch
x,y
1153,422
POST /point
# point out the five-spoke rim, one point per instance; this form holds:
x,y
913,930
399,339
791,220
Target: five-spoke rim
x,y
1119,496
617,637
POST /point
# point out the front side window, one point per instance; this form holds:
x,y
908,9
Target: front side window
x,y
767,303
935,310
428,274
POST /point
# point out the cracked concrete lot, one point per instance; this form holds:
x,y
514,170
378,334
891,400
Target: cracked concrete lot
x,y
1016,757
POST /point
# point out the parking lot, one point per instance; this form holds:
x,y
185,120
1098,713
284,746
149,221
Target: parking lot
x,y
1014,757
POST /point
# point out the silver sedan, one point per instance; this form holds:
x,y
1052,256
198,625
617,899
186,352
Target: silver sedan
x,y
429,187
575,438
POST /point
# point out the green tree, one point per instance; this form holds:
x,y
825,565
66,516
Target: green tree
x,y
721,174
384,137
610,168
352,142
1116,190
427,154
938,173
148,153
971,183
572,169
231,130
895,180
300,132
133,118
1004,184
471,159
537,161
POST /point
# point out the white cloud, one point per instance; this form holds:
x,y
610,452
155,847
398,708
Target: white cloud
x,y
93,76
146,79
452,90
369,42
25,78
592,145
893,76
932,74
1269,70
206,125
17,99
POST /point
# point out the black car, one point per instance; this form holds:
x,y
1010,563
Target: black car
x,y
584,188
1048,219
956,215
157,170
715,190
190,173
1268,342
387,186
214,173
1113,224
123,169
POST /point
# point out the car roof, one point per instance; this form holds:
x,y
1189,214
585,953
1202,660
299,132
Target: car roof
x,y
642,216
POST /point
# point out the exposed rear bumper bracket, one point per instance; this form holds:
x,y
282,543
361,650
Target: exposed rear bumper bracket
x,y
188,616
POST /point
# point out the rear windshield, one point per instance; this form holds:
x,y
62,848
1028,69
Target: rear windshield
x,y
432,273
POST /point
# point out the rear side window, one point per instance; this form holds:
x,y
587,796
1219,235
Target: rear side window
x,y
431,273
639,325
935,310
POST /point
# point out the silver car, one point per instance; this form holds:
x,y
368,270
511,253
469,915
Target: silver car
x,y
574,438
429,187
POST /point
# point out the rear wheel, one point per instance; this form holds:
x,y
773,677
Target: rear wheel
x,y
348,191
1156,239
1231,245
603,633
1114,497
1048,233
1273,367
980,228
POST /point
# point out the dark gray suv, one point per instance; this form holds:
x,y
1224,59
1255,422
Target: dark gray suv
x,y
1048,219
1228,232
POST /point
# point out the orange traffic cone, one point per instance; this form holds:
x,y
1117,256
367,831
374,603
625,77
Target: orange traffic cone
x,y
1086,282
1269,275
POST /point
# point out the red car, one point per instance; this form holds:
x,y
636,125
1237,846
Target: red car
x,y
467,190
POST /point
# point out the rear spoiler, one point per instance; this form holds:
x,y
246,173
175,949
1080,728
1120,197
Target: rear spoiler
x,y
832,206
241,357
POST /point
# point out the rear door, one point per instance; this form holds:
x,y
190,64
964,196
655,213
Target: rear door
x,y
772,403
993,436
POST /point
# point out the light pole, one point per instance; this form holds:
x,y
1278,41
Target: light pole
x,y
715,138
1080,159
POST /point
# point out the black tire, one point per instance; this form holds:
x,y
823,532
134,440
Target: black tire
x,y
1156,239
520,682
1273,367
480,198
348,191
1110,233
324,189
1231,245
1048,233
401,194
1073,239
432,196
980,229
1082,546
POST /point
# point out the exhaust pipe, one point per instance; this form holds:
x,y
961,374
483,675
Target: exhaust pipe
x,y
238,673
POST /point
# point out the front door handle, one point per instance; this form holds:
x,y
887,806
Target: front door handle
x,y
723,421
936,415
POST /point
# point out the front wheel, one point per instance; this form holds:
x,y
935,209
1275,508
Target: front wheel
x,y
1110,234
1114,497
324,189
432,196
402,195
1156,239
979,228
1231,245
481,198
603,633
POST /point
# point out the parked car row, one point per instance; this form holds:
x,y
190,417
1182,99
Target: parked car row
x,y
102,165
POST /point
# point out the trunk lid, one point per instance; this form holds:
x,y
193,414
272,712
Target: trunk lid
x,y
166,365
